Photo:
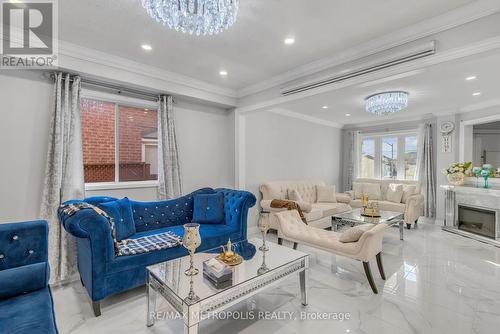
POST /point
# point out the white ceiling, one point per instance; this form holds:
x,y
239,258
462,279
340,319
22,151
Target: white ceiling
x,y
252,50
439,89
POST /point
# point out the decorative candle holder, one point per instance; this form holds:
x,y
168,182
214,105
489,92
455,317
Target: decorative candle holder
x,y
263,267
263,227
191,241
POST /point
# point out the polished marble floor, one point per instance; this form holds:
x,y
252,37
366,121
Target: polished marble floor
x,y
437,282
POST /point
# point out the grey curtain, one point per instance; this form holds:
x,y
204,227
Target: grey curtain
x,y
63,173
426,170
350,156
169,171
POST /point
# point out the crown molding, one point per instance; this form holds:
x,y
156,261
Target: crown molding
x,y
462,15
480,106
172,79
302,117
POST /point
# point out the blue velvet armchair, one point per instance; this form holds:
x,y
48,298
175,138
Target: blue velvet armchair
x,y
104,274
26,304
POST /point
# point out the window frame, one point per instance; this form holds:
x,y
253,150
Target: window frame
x,y
377,137
118,101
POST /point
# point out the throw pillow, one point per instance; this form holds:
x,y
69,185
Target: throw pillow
x,y
326,194
121,213
394,193
372,190
294,196
354,233
408,190
208,208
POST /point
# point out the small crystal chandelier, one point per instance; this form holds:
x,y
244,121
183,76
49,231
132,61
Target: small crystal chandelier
x,y
387,102
200,17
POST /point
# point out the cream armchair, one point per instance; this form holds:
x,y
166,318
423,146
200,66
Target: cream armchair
x,y
411,204
368,246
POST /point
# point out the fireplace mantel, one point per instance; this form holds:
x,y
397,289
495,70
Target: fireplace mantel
x,y
474,197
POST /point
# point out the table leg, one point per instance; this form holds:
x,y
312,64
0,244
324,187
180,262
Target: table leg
x,y
190,330
151,301
401,229
335,226
303,285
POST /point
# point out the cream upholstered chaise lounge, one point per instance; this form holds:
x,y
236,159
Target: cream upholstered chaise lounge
x,y
317,214
368,247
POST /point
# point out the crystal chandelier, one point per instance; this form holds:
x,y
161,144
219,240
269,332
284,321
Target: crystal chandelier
x,y
386,103
194,16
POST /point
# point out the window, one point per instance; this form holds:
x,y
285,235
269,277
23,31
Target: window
x,y
368,158
120,143
388,156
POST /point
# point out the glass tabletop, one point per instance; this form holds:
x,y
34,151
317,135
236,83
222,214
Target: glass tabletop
x,y
171,273
356,216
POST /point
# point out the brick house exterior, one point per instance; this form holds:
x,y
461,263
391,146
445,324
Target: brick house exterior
x,y
98,136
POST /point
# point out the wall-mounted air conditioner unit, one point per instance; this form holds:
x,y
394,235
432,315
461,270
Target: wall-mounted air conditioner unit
x,y
381,63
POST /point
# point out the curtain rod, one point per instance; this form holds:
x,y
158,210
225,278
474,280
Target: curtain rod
x,y
117,89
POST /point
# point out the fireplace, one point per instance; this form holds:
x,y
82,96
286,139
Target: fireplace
x,y
477,220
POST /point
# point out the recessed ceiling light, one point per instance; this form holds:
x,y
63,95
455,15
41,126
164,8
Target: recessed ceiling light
x,y
289,40
147,47
472,77
348,115
476,94
324,107
223,73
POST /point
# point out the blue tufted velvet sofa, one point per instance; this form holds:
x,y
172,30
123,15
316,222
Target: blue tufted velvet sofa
x,y
25,299
103,274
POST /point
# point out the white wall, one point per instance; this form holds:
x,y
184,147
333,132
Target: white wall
x,y
284,148
24,129
205,137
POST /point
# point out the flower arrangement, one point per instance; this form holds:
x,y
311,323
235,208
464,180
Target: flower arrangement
x,y
485,172
456,173
458,168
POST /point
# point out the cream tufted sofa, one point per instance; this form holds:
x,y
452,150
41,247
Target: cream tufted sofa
x,y
317,214
368,246
412,206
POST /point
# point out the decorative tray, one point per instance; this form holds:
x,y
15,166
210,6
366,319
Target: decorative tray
x,y
371,216
234,262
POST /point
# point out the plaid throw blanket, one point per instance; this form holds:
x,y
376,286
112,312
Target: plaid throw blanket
x,y
148,243
128,246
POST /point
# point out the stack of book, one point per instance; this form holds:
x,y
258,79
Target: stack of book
x,y
218,273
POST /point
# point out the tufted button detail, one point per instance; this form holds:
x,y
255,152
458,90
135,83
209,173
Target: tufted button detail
x,y
15,237
2,256
31,251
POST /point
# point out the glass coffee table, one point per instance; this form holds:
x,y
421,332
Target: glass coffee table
x,y
168,280
354,217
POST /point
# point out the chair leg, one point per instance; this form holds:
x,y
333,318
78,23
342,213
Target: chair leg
x,y
368,272
96,307
295,245
280,241
380,267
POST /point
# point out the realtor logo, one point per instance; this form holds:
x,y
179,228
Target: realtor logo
x,y
29,34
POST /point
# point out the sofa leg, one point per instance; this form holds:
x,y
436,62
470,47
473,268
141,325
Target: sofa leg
x,y
408,226
368,272
295,245
280,241
380,266
96,307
